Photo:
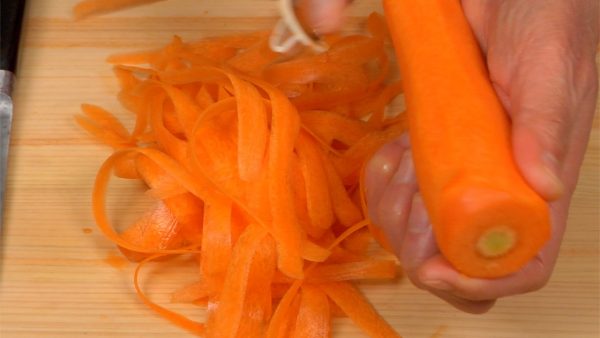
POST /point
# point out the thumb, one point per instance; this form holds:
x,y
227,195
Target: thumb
x,y
322,17
541,123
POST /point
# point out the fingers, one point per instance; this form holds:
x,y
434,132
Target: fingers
x,y
539,133
437,274
391,213
474,295
322,17
391,183
543,68
419,249
429,270
380,170
418,244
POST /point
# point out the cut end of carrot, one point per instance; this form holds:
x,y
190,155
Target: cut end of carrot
x,y
494,232
496,242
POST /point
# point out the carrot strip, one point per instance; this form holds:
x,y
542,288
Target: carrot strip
x,y
258,303
157,230
285,126
329,126
280,324
252,128
318,200
94,7
354,304
191,293
366,269
376,25
203,98
487,220
104,126
314,319
216,242
349,164
344,209
175,318
267,199
186,109
230,303
253,59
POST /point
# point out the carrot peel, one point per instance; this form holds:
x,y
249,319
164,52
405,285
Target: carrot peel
x,y
254,162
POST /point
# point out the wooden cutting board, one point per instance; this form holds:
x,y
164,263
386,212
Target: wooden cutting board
x,y
59,276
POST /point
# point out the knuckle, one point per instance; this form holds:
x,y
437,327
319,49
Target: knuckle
x,y
480,307
539,278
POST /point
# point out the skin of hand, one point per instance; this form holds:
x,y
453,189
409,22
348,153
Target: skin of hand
x,y
322,16
541,57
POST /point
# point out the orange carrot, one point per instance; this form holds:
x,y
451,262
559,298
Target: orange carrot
x,y
253,174
314,319
158,230
318,201
367,269
191,293
353,303
104,126
258,303
216,242
93,7
230,303
487,220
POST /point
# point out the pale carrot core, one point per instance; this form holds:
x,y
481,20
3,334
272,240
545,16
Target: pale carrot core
x,y
496,241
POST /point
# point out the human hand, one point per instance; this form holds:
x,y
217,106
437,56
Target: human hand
x,y
541,59
322,16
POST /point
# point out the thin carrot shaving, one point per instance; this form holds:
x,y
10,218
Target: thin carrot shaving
x,y
314,318
191,293
255,162
353,303
174,317
94,7
367,269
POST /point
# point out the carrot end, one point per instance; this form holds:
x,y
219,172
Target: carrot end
x,y
496,242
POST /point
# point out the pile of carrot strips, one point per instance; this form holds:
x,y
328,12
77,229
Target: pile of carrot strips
x,y
255,162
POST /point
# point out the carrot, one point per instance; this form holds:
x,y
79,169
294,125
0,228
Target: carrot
x,y
191,293
318,201
93,7
358,309
314,319
154,231
216,242
487,220
230,303
253,174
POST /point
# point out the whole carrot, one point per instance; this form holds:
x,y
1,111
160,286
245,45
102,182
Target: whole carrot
x,y
487,220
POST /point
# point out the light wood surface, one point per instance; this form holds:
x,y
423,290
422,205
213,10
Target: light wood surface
x,y
58,275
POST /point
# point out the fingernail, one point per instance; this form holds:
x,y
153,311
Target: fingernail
x,y
405,172
438,285
552,167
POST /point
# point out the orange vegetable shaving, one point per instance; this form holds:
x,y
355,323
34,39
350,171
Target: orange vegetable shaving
x,y
94,7
255,174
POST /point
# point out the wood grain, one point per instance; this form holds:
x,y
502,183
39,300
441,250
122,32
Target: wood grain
x,y
60,278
